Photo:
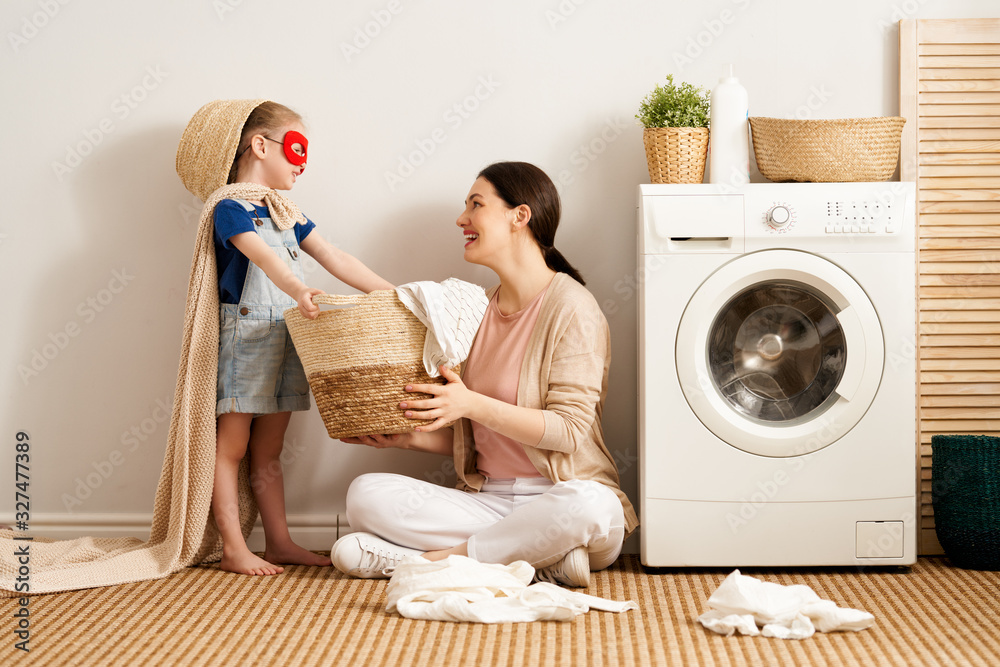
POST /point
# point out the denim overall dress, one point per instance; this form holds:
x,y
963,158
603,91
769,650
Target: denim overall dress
x,y
259,370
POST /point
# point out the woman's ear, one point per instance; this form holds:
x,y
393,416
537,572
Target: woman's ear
x,y
522,214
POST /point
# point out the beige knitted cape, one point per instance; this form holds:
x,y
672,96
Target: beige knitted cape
x,y
182,531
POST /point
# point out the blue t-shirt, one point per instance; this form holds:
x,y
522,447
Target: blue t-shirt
x,y
232,219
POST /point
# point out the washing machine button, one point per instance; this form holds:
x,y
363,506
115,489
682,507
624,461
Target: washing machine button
x,y
779,216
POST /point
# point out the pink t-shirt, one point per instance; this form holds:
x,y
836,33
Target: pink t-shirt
x,y
493,369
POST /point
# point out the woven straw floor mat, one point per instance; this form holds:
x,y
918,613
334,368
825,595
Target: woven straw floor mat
x,y
932,615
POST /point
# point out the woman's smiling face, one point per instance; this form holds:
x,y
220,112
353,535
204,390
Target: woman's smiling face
x,y
485,223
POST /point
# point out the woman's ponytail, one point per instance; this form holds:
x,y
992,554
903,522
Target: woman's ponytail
x,y
555,261
521,183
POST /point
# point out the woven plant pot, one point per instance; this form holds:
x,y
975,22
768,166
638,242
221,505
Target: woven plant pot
x,y
966,496
358,358
676,154
827,151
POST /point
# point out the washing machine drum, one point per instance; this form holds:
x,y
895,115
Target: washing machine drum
x,y
776,352
779,353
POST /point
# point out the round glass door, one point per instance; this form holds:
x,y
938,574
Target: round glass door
x,y
779,353
776,352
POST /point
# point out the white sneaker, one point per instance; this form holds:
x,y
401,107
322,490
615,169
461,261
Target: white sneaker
x,y
573,570
368,556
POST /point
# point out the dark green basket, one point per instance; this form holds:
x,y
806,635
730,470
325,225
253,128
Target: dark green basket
x,y
966,497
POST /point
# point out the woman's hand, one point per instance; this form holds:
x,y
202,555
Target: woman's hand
x,y
439,442
450,401
381,440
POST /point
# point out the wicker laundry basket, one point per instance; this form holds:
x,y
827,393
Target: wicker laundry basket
x,y
676,154
827,151
358,358
965,489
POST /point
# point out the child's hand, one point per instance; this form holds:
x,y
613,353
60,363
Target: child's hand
x,y
309,309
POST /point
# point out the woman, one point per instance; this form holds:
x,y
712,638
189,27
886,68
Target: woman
x,y
523,423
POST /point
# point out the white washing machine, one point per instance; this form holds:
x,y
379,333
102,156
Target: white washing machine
x,y
777,413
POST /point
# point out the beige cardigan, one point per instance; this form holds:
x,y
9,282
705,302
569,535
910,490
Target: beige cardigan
x,y
565,374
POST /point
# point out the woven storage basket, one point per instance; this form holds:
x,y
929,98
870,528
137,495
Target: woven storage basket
x,y
827,151
966,495
358,359
676,154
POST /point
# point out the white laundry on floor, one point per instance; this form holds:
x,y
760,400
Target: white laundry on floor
x,y
462,589
742,603
452,311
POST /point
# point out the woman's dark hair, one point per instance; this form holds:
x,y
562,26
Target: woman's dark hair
x,y
520,183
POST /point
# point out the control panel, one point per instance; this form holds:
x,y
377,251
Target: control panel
x,y
872,216
813,217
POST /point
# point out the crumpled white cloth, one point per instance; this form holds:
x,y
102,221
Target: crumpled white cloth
x,y
462,589
742,603
452,311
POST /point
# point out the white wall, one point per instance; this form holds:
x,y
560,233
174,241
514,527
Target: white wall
x,y
98,231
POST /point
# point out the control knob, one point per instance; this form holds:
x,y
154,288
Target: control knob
x,y
779,217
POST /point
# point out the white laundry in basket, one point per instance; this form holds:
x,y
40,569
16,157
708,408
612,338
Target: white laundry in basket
x,y
452,311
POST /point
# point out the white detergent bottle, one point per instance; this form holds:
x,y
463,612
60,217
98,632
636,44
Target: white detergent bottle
x,y
729,157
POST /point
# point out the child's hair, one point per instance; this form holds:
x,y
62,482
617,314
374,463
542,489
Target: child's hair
x,y
268,117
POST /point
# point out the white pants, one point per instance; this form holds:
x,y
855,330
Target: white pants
x,y
510,519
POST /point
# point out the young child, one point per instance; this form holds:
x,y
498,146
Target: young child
x,y
260,377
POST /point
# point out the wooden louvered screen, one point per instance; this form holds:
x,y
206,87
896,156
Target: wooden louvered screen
x,y
949,80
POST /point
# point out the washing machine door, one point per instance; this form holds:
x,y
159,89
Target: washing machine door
x,y
780,353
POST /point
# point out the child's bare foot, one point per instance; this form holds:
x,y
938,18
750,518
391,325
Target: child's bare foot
x,y
247,562
293,554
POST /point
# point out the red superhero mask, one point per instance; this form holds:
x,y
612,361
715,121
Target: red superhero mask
x,y
296,146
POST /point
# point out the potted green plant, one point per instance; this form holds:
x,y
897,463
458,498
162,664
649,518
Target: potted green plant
x,y
675,118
